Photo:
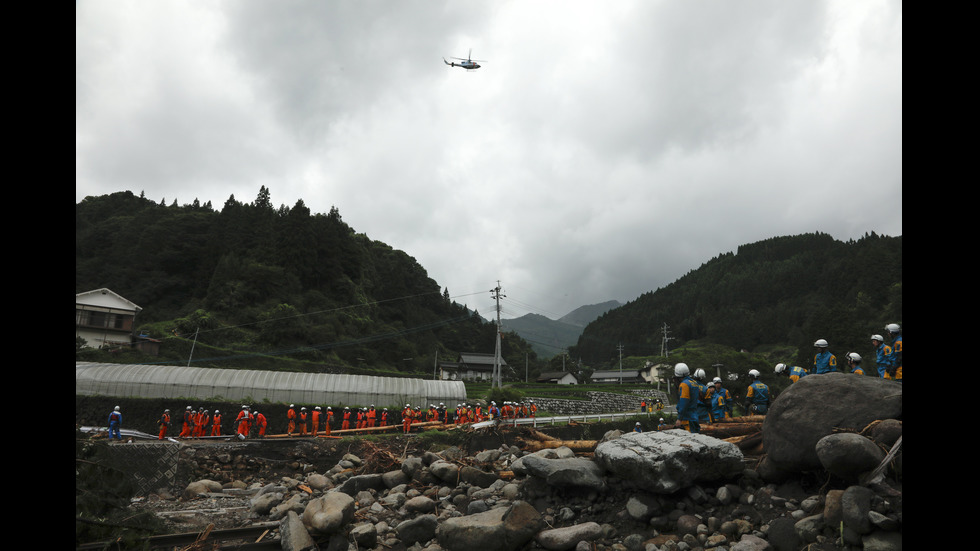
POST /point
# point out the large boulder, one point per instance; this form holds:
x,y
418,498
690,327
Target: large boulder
x,y
819,405
500,529
574,472
328,513
666,461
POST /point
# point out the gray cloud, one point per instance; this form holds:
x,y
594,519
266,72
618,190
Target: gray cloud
x,y
601,152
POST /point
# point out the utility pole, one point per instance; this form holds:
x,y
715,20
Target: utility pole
x,y
620,348
496,356
663,343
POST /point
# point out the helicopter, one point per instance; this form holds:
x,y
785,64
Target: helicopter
x,y
469,64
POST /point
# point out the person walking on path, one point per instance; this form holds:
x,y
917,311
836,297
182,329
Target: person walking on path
x,y
164,424
315,421
185,431
290,420
115,424
216,424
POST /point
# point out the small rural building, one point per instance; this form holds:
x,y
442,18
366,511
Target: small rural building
x,y
617,376
104,319
557,377
470,366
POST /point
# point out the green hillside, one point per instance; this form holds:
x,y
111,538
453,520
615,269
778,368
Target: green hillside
x,y
259,287
786,291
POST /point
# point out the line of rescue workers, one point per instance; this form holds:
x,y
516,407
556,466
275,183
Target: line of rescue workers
x,y
697,402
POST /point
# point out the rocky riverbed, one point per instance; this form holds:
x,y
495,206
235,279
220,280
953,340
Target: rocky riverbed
x,y
391,494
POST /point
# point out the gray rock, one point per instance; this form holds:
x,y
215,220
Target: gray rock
x,y
667,461
476,477
318,482
575,472
882,541
560,539
419,529
848,455
364,534
500,529
445,471
391,479
262,504
749,542
855,505
819,405
420,504
362,482
328,513
293,534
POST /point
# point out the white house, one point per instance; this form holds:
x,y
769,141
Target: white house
x,y
103,318
557,377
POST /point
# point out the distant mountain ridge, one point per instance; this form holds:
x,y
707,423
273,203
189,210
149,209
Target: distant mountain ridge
x,y
549,337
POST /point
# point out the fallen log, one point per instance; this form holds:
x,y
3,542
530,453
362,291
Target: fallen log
x,y
574,445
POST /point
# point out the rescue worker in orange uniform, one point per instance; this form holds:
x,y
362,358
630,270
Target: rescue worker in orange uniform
x,y
315,421
533,409
185,431
261,422
164,423
290,420
372,416
407,419
196,420
216,424
329,419
384,418
244,421
302,421
346,424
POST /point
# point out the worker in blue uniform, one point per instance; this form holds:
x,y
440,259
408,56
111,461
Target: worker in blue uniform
x,y
883,354
795,373
704,403
823,360
895,371
115,423
688,396
721,400
757,395
854,363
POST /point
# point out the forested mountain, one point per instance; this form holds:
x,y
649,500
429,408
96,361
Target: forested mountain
x,y
784,290
284,282
550,337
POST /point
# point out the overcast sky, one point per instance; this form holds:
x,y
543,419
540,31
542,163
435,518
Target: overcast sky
x,y
603,150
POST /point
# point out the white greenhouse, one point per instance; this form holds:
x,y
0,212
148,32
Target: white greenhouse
x,y
240,385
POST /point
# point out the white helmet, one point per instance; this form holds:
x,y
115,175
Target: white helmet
x,y
877,337
753,373
317,408
854,357
780,368
821,343
699,374
681,370
637,423
661,419
716,380
216,411
117,408
893,328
